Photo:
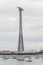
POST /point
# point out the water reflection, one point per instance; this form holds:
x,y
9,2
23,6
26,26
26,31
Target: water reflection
x,y
27,58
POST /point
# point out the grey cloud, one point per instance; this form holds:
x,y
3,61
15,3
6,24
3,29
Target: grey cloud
x,y
33,39
36,0
8,38
8,28
9,24
34,12
8,11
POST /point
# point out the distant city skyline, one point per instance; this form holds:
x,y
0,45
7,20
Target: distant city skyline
x,y
32,24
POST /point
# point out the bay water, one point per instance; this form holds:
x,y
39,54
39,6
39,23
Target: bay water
x,y
16,62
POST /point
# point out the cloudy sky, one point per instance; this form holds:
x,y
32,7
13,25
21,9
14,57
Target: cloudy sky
x,y
32,24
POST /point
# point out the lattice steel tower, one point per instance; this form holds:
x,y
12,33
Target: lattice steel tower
x,y
20,43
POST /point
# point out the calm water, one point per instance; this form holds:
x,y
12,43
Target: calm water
x,y
16,62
